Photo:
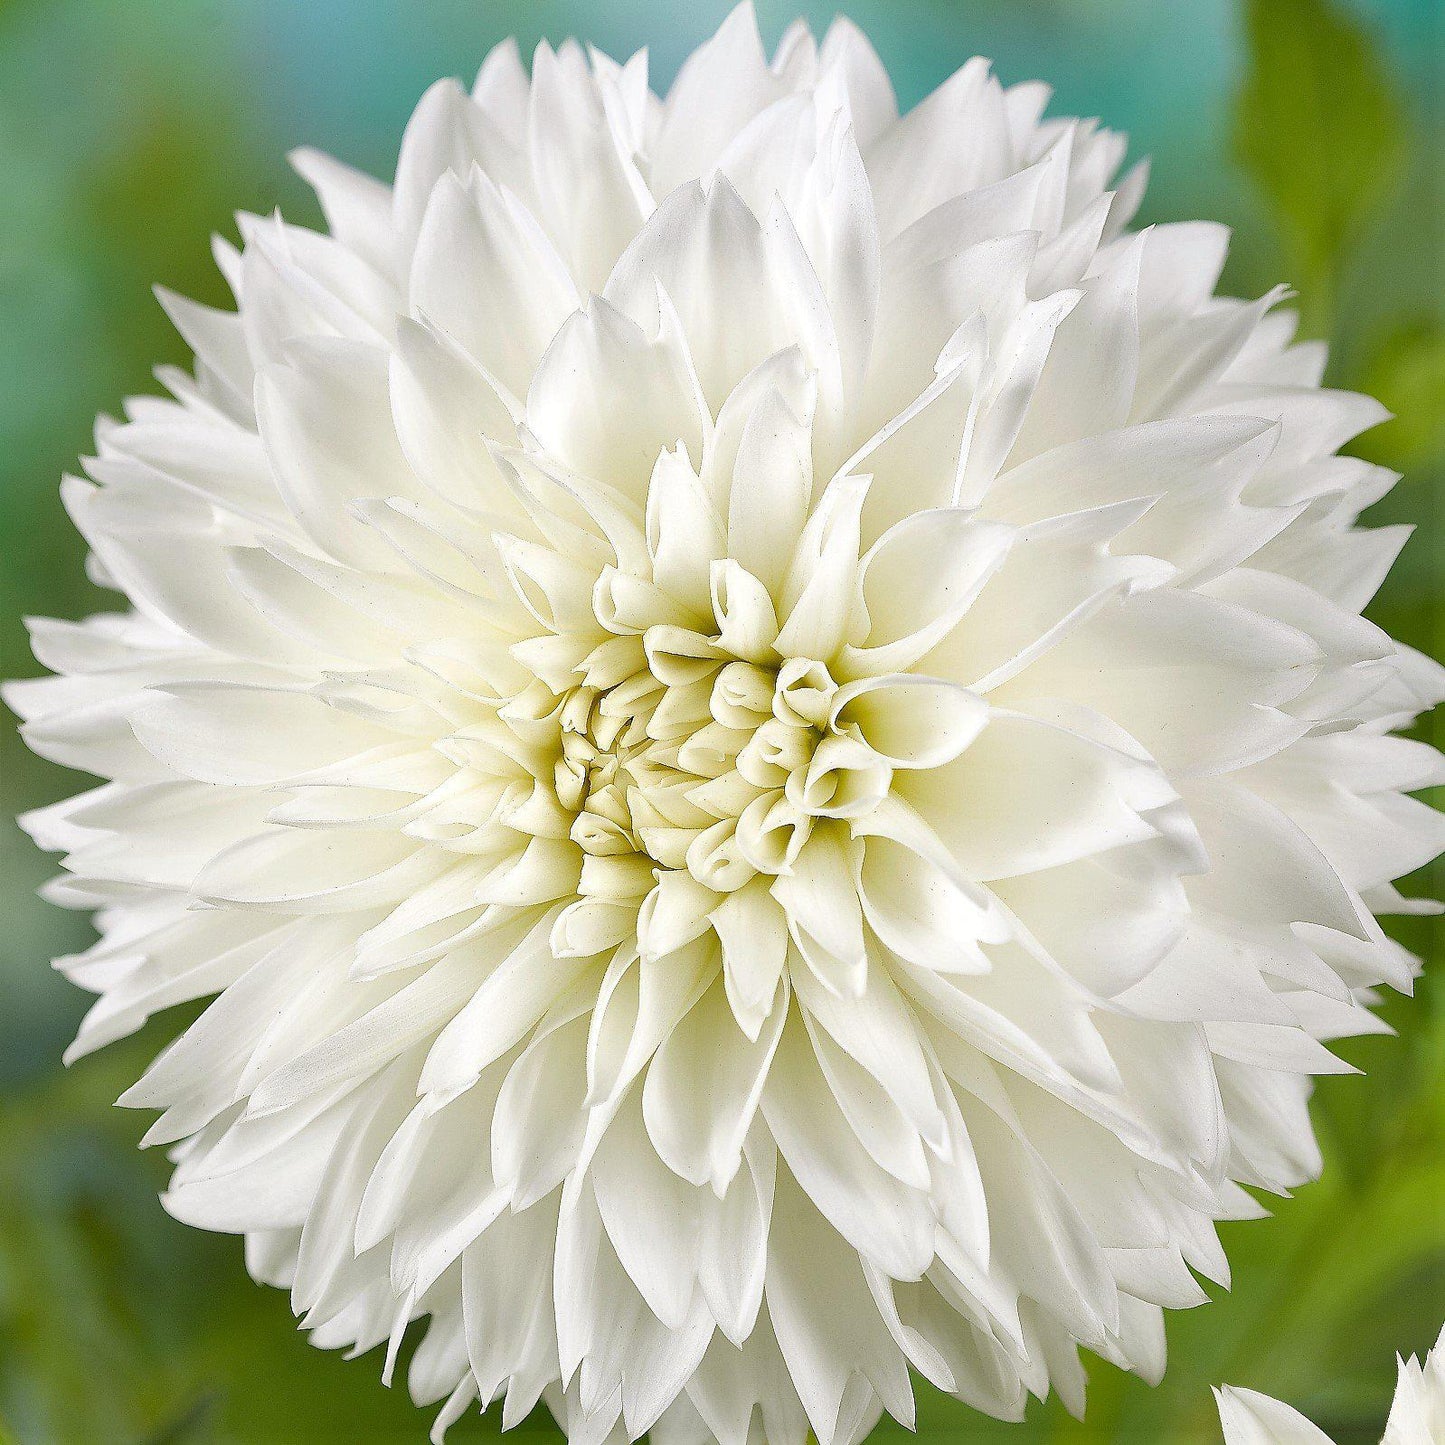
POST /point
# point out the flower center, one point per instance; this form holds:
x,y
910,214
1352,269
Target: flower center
x,y
715,772
607,759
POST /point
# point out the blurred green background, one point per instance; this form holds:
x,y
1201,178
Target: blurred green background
x,y
131,129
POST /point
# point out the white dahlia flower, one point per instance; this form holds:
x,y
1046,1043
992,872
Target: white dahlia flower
x,y
1417,1415
758,719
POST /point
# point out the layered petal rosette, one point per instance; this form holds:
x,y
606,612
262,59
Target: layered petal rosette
x,y
756,718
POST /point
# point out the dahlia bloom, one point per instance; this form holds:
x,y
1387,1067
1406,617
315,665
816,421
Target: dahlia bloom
x,y
757,717
1417,1414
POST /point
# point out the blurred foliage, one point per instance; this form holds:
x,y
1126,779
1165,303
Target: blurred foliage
x,y
119,1325
1320,129
1407,373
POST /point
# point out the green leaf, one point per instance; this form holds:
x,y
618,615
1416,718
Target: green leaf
x,y
1319,129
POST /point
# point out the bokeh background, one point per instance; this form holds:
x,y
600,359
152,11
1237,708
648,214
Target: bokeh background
x,y
131,129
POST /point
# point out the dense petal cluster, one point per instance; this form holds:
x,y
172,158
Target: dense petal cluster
x,y
1417,1413
758,720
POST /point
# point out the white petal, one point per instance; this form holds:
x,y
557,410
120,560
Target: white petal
x,y
638,398
918,580
1250,1418
486,274
703,1088
720,88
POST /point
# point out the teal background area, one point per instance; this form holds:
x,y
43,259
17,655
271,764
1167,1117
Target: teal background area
x,y
131,129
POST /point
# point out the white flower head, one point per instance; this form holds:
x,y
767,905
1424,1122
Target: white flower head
x,y
1417,1414
758,719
